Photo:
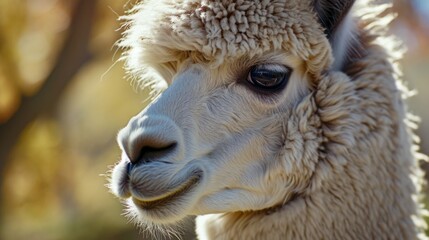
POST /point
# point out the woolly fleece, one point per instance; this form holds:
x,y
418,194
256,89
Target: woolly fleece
x,y
352,131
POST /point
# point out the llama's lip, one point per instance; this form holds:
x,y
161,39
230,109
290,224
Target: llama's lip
x,y
181,191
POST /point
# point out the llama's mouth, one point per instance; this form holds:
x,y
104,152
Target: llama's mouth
x,y
175,196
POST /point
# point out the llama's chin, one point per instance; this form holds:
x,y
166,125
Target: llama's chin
x,y
161,224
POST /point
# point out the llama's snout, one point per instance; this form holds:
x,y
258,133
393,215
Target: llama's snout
x,y
153,165
150,138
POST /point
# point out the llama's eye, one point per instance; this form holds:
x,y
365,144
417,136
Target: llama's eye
x,y
269,76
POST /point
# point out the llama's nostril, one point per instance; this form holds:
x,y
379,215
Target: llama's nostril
x,y
150,153
154,138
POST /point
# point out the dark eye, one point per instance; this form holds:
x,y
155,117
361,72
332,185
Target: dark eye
x,y
269,77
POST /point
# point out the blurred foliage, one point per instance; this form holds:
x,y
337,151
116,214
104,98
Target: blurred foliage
x,y
53,186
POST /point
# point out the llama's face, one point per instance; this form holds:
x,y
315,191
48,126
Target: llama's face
x,y
224,137
214,141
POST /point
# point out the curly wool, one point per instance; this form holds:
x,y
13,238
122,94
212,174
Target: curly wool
x,y
163,33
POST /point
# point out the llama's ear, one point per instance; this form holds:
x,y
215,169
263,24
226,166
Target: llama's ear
x,y
332,13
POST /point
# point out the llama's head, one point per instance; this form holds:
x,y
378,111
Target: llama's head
x,y
238,127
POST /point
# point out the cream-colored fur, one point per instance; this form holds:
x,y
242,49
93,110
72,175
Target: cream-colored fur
x,y
329,157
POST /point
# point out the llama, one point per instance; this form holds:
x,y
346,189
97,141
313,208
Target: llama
x,y
279,119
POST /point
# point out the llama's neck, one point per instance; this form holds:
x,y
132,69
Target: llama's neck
x,y
350,209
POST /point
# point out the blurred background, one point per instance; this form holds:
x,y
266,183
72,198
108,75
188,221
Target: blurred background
x,y
63,97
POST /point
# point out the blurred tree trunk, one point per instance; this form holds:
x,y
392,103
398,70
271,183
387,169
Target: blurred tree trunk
x,y
73,55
